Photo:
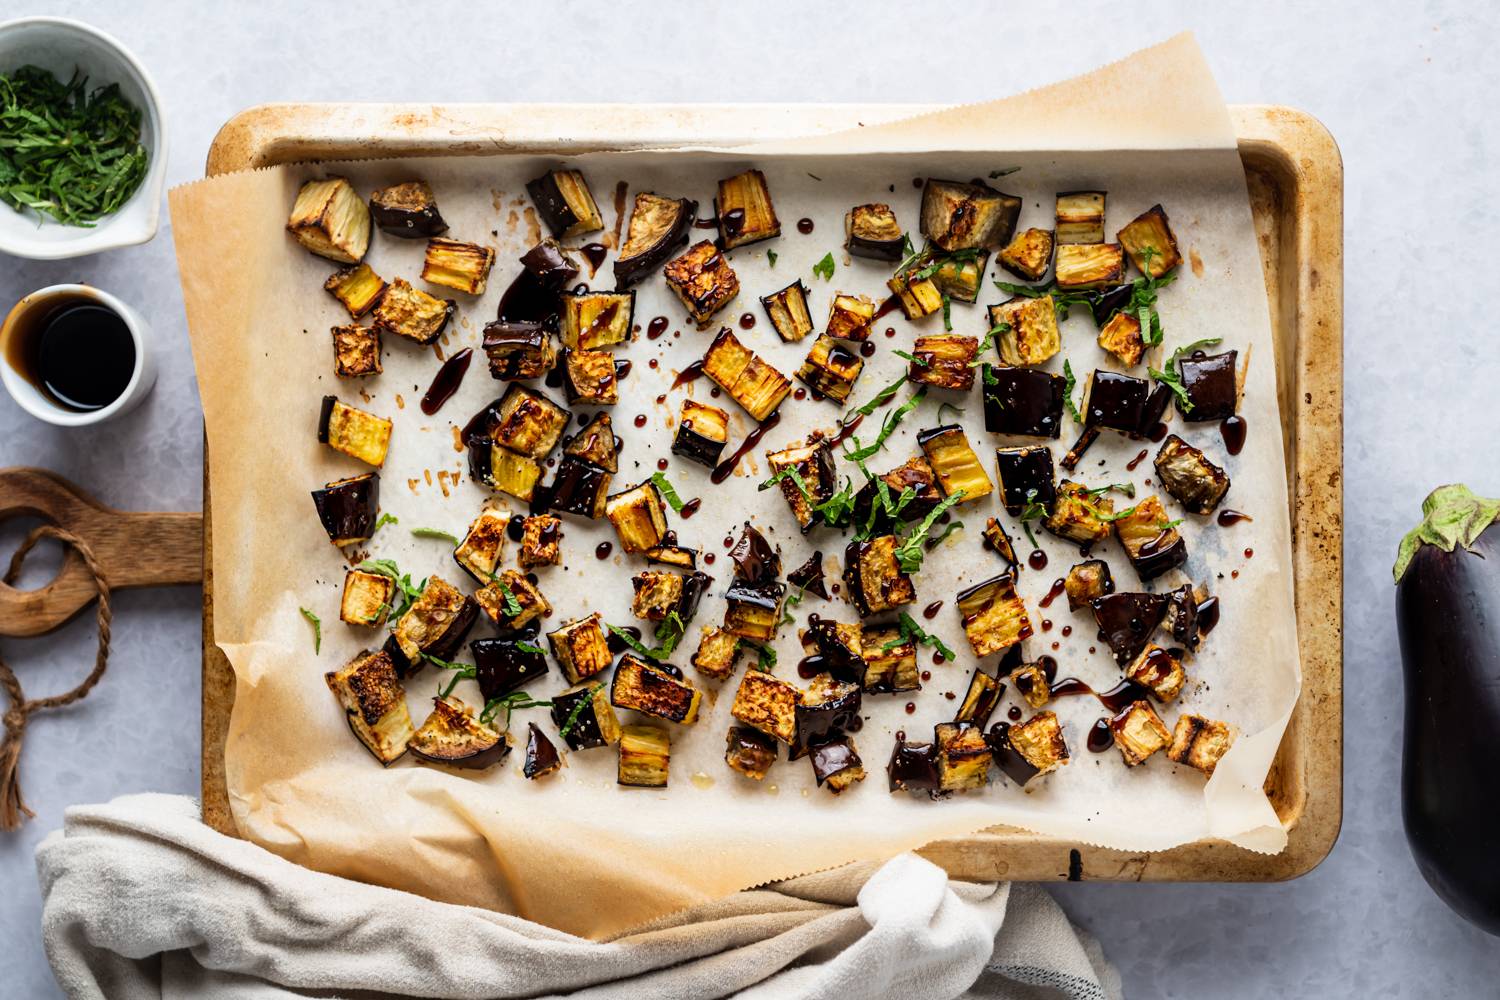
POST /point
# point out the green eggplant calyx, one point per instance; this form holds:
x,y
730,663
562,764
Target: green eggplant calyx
x,y
1451,515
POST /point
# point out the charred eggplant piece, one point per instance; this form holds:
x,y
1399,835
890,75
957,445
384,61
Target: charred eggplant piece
x,y
838,648
703,281
963,757
658,226
505,665
1026,476
753,611
981,699
1139,733
521,350
1199,743
374,704
788,311
1027,749
596,443
767,704
638,517
755,562
1211,385
872,231
552,269
1079,517
1121,336
1118,402
959,276
1032,684
529,423
348,508
746,214
584,718
579,487
718,650
478,553
1026,402
499,599
1080,217
1082,267
957,216
850,316
890,661
836,764
1149,235
918,297
1028,330
994,615
541,756
590,377
354,432
1029,254
645,688
657,594
814,467
749,752
673,555
408,211
329,219
1150,540
752,383
957,468
436,624
645,757
1105,302
1181,620
464,267
830,369
702,432
411,313
944,361
591,320
913,767
915,475
358,288
997,540
1087,582
356,351
565,203
580,648
1187,474
367,598
541,542
1159,672
825,709
873,577
1127,621
454,737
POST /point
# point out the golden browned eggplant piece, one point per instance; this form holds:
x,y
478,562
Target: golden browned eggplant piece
x,y
830,369
1187,474
872,231
639,519
963,757
752,383
1080,217
890,661
1159,672
590,377
1083,267
529,423
408,211
591,320
768,704
717,652
436,624
478,553
753,611
367,598
454,737
1029,334
657,594
997,540
836,764
850,316
330,220
374,703
944,361
1077,516
411,313
960,276
814,465
657,227
645,688
356,351
596,443
565,203
1087,582
645,757
1199,743
702,432
541,542
957,216
354,432
1150,539
749,752
514,474
455,264
874,578
1149,234
954,463
994,615
703,281
493,600
746,214
519,351
580,648
1121,336
1029,255
980,700
918,297
593,720
357,287
1139,733
788,311
1031,684
1028,749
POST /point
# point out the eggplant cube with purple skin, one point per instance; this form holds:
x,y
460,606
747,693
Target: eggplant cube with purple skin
x,y
500,598
1029,334
830,369
356,351
1150,540
565,203
464,267
1031,683
768,704
874,576
638,516
436,624
963,757
890,661
529,424
998,541
702,432
1080,217
718,650
657,594
1199,743
453,737
1082,267
1149,237
957,216
374,703
1029,254
1078,516
407,211
850,316
788,311
815,482
594,723
354,432
329,219
872,231
1121,336
647,688
918,297
411,313
1086,582
753,611
358,288
954,463
750,752
645,757
367,598
836,764
703,280
994,615
1039,742
541,541
1139,733
745,210
1187,474
478,552
1158,671
518,350
592,320
981,699
944,361
750,380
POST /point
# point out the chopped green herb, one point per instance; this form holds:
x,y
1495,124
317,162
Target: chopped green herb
x,y
950,529
947,313
990,378
461,671
1126,488
527,647
881,398
1111,517
670,632
386,518
909,553
576,712
1172,380
765,656
1029,291
317,624
435,533
824,267
641,647
511,702
942,407
1069,382
1168,525
409,591
511,607
912,632
771,257
1142,303
892,421
1033,511
988,342
913,358
667,492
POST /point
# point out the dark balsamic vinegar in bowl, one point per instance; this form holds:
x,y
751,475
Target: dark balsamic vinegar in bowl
x,y
76,351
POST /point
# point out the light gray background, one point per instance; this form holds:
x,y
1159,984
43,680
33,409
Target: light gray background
x,y
1408,89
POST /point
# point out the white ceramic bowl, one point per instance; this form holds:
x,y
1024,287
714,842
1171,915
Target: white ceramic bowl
x,y
59,44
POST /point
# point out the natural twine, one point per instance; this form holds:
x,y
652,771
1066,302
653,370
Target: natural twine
x,y
12,806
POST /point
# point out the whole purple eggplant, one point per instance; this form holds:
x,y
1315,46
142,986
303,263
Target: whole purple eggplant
x,y
1448,618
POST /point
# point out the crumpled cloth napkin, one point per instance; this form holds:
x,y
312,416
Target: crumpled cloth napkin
x,y
142,900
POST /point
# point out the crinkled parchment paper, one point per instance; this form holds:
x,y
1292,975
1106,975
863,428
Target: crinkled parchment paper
x,y
576,851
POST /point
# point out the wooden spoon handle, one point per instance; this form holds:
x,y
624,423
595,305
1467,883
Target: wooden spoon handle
x,y
134,549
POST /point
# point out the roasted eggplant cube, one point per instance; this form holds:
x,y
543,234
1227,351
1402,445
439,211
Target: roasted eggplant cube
x,y
590,377
657,594
994,615
760,389
357,287
374,703
702,432
592,320
478,553
504,665
1199,743
1031,683
565,203
1087,582
645,757
329,219
639,519
753,611
454,737
580,648
814,467
520,350
830,369
944,362
1150,540
1081,267
872,231
1127,620
549,269
1028,334
998,541
1211,384
914,474
541,756
367,597
836,764
717,652
541,542
913,767
788,311
1149,236
874,578
1159,672
953,461
1026,402
918,297
1080,217
495,600
347,508
644,688
408,211
1029,254
850,316
958,216
437,623
749,752
1181,619
746,214
1039,743
756,563
960,276
579,487
1026,477
1121,336
673,555
1116,401
963,757
529,423
1187,474
980,700
703,281
838,646
1139,733
890,661
584,718
356,351
1078,516
767,704
825,709
596,444
464,267
409,312
354,432
513,474
658,226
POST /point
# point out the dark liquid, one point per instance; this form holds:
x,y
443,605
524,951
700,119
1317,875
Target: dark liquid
x,y
1101,736
1037,559
1233,429
594,254
1208,615
867,350
887,307
1057,588
656,327
747,321
725,469
931,611
78,353
1229,517
1139,458
446,382
688,374
691,507
804,226
603,549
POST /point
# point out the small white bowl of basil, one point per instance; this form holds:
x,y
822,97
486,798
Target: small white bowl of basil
x,y
82,162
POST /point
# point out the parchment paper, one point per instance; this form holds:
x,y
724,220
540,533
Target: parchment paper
x,y
576,851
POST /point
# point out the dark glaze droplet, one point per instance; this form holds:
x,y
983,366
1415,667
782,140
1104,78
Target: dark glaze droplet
x,y
938,659
1233,429
1046,624
516,527
446,382
799,393
911,708
640,420
729,543
930,612
553,379
603,549
691,507
1140,457
1037,559
691,372
1067,630
725,469
1101,736
747,321
661,463
1249,553
890,331
867,349
656,327
1057,588
662,398
708,557
804,226
593,253
654,364
927,675
622,368
1208,615
733,222
1228,517
916,182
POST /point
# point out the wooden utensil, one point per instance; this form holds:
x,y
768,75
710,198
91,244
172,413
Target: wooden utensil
x,y
134,549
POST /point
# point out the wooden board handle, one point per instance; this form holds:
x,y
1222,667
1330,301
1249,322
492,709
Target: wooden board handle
x,y
134,549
